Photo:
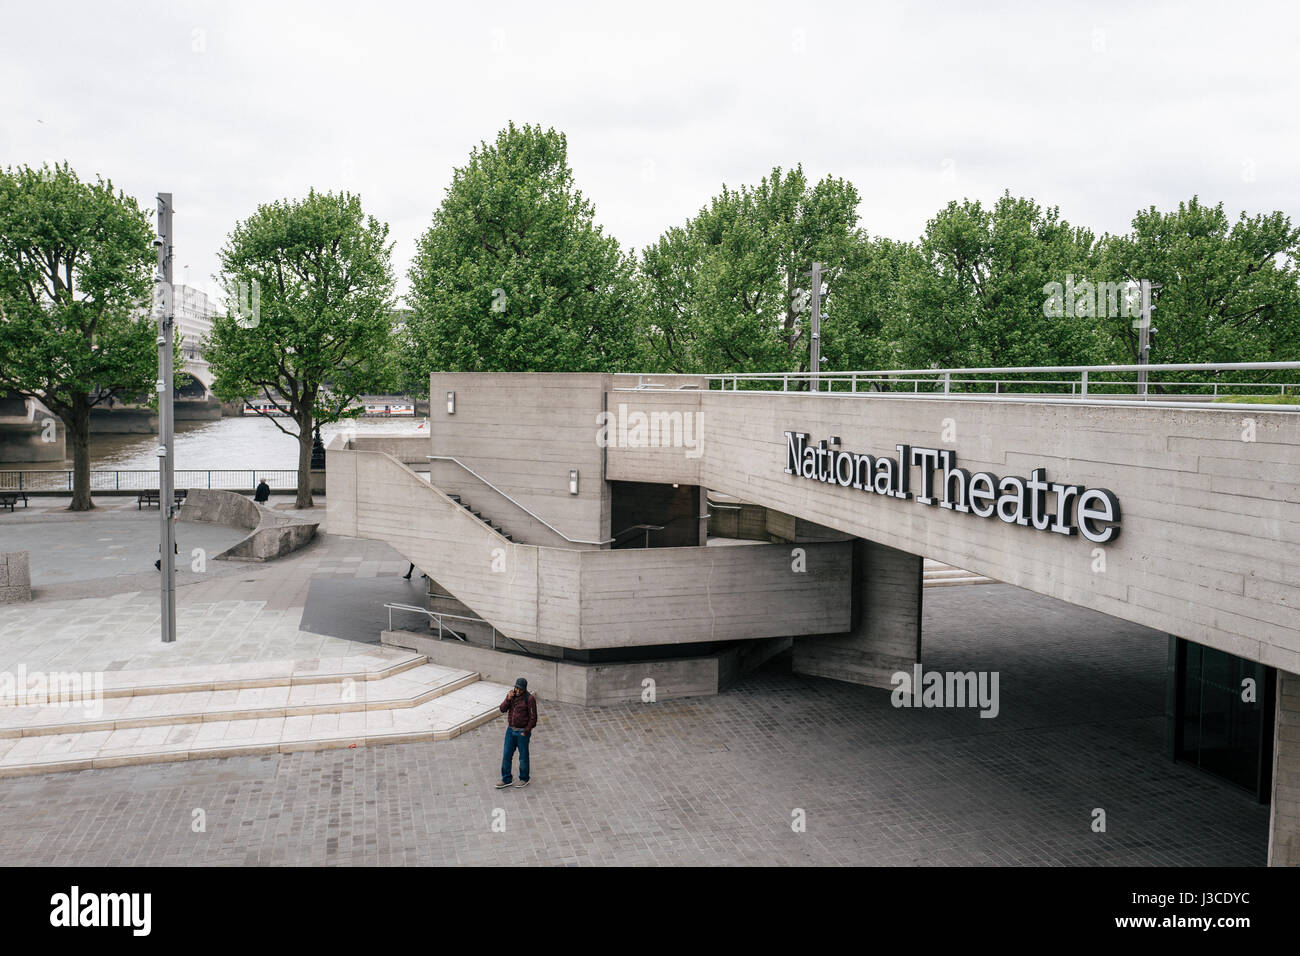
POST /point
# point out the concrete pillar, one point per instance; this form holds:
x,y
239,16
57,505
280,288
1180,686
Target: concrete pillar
x,y
886,633
1284,823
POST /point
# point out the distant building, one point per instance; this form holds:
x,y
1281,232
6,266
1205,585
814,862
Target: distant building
x,y
194,313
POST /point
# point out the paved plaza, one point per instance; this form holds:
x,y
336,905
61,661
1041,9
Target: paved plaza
x,y
720,780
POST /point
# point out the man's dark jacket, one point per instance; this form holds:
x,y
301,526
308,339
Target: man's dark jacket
x,y
521,713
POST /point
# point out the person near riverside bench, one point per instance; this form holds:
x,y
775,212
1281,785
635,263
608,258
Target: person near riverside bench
x,y
520,708
263,493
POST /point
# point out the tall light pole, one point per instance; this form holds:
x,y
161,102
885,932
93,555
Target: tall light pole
x,y
1144,333
165,313
815,359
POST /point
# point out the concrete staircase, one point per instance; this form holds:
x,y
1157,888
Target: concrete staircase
x,y
939,575
481,517
201,712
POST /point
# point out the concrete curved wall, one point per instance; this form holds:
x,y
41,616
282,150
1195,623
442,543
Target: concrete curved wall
x,y
272,536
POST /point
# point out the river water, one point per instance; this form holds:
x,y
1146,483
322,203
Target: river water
x,y
248,442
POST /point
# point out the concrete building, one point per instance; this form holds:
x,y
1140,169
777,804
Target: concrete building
x,y
564,522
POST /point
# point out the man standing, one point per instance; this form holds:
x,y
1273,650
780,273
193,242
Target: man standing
x,y
520,708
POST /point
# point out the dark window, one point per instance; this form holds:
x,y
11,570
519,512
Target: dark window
x,y
1217,728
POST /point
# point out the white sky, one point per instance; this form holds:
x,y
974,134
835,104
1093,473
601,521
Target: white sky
x,y
1096,107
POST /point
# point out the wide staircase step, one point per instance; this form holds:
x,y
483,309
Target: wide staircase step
x,y
172,714
937,575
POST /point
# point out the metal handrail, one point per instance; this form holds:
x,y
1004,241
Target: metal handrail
x,y
439,615
433,615
522,507
946,378
647,528
144,479
1025,369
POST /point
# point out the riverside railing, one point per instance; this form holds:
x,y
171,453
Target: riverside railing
x,y
129,480
1160,382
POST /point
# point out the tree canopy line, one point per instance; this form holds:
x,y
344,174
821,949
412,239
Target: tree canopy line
x,y
515,274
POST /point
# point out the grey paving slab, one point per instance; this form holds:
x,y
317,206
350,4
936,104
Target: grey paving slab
x,y
718,780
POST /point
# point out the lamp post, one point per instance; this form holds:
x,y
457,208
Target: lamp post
x,y
165,313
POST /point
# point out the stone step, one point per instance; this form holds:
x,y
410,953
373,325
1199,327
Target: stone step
x,y
442,718
937,574
410,688
213,677
952,582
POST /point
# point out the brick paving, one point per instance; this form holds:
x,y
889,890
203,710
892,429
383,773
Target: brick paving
x,y
716,780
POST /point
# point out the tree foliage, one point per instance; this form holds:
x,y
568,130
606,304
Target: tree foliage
x,y
310,294
514,274
1229,292
975,294
75,279
729,290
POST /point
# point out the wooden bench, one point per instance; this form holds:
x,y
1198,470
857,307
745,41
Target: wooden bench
x,y
10,498
151,498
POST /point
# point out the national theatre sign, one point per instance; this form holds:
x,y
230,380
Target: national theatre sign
x,y
1032,502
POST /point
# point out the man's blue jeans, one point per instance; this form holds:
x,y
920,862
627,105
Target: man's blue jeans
x,y
514,738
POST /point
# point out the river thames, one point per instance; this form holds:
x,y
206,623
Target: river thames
x,y
247,442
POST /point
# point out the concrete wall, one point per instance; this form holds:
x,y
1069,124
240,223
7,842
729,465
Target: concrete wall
x,y
730,518
15,577
1284,829
593,685
408,449
524,432
273,535
676,595
886,633
1210,521
573,598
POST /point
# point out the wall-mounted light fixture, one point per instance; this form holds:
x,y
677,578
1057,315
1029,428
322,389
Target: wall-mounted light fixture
x,y
573,481
451,403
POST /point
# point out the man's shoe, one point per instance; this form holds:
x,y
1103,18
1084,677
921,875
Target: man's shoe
x,y
522,783
502,784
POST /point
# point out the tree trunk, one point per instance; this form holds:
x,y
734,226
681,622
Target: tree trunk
x,y
304,463
78,425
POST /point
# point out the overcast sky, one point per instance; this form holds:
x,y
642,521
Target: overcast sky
x,y
1098,108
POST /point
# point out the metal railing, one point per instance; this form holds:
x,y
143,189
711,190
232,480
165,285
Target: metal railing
x,y
128,480
647,528
522,507
443,628
1163,382
433,616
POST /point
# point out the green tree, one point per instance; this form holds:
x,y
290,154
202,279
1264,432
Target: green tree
x,y
728,292
1229,292
978,297
514,274
75,277
310,294
861,307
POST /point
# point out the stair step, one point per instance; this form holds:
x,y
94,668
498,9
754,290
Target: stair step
x,y
253,674
409,689
951,582
439,719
